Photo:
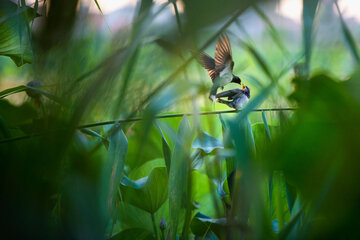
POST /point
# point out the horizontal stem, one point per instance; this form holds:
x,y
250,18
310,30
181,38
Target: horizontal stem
x,y
156,117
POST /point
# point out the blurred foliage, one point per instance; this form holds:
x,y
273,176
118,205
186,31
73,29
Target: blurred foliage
x,y
273,174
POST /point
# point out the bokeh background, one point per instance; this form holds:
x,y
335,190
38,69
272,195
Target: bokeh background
x,y
85,156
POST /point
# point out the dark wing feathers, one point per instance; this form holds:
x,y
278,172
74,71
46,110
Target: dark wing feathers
x,y
222,59
208,63
223,53
230,93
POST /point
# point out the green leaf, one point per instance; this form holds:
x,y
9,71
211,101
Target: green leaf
x,y
260,60
266,125
114,166
273,32
147,193
290,226
178,178
14,22
133,233
145,169
349,39
166,149
309,10
202,224
13,90
206,143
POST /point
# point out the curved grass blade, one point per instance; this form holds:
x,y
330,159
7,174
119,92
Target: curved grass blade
x,y
273,33
349,39
309,10
289,227
267,129
13,90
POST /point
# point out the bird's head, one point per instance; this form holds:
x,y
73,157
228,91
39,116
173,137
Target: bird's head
x,y
246,90
236,79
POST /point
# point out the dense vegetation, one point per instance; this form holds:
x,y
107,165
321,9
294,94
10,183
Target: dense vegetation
x,y
84,154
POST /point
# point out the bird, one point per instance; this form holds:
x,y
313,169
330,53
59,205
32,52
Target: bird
x,y
219,69
239,97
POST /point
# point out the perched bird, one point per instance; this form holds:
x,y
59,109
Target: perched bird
x,y
239,97
220,69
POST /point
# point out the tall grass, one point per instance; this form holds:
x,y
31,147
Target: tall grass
x,y
120,142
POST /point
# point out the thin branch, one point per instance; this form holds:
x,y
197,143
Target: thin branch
x,y
176,115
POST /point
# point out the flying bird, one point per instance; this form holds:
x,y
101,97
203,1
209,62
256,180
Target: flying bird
x,y
238,97
220,69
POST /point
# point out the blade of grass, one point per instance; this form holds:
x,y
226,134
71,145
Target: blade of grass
x,y
349,39
308,15
273,32
267,129
13,90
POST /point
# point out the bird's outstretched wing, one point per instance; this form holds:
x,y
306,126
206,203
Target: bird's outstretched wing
x,y
230,94
208,63
223,57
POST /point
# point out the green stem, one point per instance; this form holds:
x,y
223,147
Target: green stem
x,y
154,226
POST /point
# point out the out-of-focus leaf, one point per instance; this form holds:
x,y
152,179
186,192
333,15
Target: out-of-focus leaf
x,y
147,193
206,143
178,174
260,60
11,113
289,227
273,32
48,95
92,133
290,195
14,23
95,134
145,169
133,233
349,39
266,125
166,149
215,11
13,90
308,15
202,224
114,166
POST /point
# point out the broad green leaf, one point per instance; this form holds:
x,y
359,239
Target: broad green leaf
x,y
206,143
178,178
14,34
148,193
114,165
202,224
133,233
145,169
